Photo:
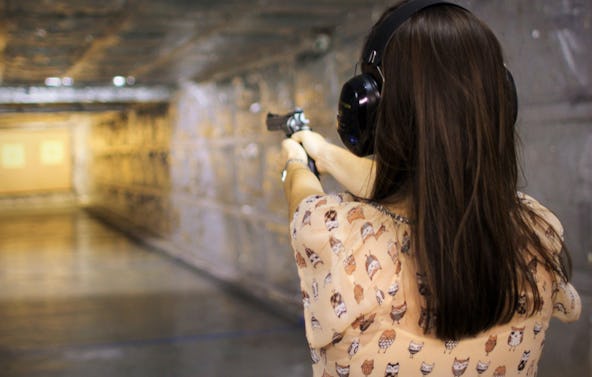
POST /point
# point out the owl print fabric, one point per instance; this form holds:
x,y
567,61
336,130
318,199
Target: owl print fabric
x,y
363,300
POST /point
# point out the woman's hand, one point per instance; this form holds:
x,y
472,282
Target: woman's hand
x,y
291,149
314,143
299,181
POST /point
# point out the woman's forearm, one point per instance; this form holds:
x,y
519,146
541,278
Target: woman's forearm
x,y
354,173
300,183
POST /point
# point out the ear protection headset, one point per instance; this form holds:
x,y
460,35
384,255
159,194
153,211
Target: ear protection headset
x,y
360,96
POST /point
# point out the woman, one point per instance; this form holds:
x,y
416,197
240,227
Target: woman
x,y
431,263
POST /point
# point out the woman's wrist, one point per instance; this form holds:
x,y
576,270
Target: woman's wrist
x,y
293,161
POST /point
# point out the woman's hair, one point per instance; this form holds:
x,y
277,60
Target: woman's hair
x,y
445,139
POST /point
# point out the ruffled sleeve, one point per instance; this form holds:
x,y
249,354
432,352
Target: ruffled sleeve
x,y
328,234
567,305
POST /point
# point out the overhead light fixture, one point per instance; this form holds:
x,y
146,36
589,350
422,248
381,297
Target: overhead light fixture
x,y
53,81
118,81
67,81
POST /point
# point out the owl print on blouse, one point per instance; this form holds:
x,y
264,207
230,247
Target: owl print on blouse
x,y
559,307
314,355
397,267
366,231
392,370
405,243
363,322
328,279
515,338
300,261
523,360
305,299
321,202
379,294
393,289
313,257
500,371
315,289
336,245
459,366
314,322
367,367
392,251
372,265
387,338
342,370
490,344
450,345
349,264
358,293
356,213
538,326
331,220
337,337
380,232
414,348
482,366
353,348
306,218
398,312
426,368
338,304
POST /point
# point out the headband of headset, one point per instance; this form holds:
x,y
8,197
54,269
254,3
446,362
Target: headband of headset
x,y
360,96
384,33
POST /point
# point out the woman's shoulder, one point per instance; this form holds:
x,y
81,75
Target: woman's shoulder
x,y
343,208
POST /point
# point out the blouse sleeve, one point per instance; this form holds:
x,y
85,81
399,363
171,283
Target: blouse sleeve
x,y
567,305
326,240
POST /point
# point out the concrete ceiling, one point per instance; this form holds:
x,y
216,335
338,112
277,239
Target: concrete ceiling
x,y
86,43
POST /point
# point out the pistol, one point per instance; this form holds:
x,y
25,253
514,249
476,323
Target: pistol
x,y
289,123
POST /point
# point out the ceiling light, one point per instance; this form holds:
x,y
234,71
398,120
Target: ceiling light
x,y
53,81
67,81
119,81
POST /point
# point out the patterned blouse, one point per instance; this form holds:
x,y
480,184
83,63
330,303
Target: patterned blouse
x,y
362,297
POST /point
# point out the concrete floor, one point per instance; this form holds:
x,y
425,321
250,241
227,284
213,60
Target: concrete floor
x,y
80,299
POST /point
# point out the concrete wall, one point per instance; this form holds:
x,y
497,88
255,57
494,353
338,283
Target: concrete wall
x,y
129,175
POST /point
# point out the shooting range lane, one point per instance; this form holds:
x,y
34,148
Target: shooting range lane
x,y
84,300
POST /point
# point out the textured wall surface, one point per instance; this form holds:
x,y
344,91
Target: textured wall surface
x,y
129,169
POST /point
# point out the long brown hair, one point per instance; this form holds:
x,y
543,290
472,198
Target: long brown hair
x,y
445,139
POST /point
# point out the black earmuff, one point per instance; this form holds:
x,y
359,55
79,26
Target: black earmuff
x,y
360,95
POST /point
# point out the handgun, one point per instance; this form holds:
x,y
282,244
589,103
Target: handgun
x,y
290,123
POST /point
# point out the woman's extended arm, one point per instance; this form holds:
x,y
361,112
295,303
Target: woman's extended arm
x,y
354,173
299,181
